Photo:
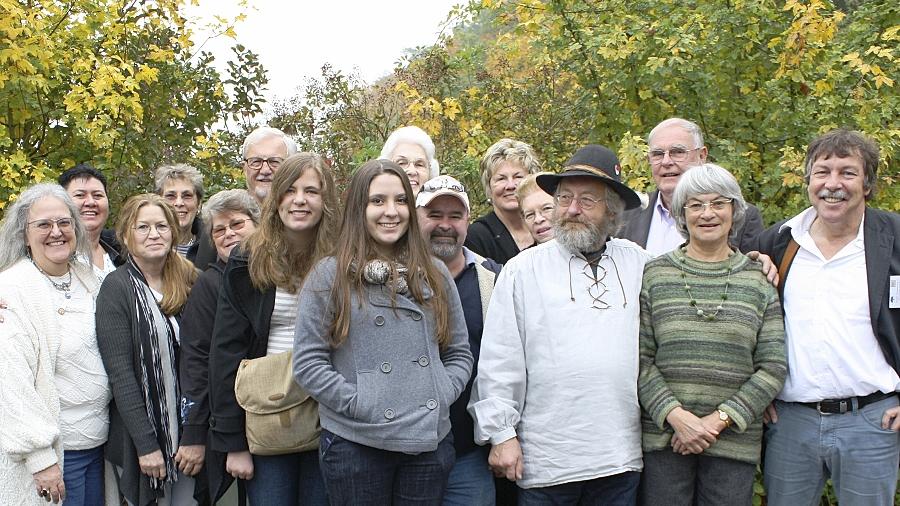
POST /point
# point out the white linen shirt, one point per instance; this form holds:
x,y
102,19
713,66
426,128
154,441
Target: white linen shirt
x,y
832,352
560,374
663,235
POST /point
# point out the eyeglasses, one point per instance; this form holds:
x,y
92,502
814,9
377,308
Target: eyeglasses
x,y
715,205
676,154
234,225
433,185
405,163
46,225
257,163
546,211
584,202
143,230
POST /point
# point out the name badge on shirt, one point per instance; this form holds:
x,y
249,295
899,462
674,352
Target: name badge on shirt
x,y
895,293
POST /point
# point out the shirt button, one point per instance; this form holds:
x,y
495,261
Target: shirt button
x,y
379,320
385,367
389,414
416,316
423,361
431,404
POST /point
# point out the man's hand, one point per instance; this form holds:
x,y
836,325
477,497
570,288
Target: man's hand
x,y
768,267
770,415
505,459
49,484
691,431
190,459
239,465
890,420
153,465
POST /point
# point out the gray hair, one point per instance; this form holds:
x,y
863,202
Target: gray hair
x,y
265,132
412,135
709,178
507,150
688,126
238,201
13,245
184,171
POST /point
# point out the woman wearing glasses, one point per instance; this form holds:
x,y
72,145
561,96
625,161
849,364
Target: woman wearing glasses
x,y
384,350
182,186
230,217
139,306
711,352
536,207
255,318
413,150
53,388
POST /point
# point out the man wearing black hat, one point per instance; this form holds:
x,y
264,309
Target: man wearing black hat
x,y
556,392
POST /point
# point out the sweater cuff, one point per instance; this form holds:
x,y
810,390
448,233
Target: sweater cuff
x,y
740,423
503,435
662,412
41,459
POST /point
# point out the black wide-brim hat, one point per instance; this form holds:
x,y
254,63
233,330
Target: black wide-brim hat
x,y
597,162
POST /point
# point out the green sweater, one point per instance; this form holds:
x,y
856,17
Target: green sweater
x,y
735,362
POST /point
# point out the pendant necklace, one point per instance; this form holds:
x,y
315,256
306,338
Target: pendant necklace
x,y
693,302
64,286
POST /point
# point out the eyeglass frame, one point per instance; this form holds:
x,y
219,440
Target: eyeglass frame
x,y
661,153
717,204
138,229
218,232
429,187
51,222
585,203
267,161
545,210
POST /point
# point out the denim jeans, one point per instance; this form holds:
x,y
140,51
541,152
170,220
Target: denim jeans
x,y
356,474
83,477
804,448
672,479
616,490
471,482
282,480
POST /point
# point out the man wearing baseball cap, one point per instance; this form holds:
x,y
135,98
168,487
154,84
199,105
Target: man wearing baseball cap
x,y
443,208
556,392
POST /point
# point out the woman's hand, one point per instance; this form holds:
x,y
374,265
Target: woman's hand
x,y
49,484
190,458
153,465
239,465
691,434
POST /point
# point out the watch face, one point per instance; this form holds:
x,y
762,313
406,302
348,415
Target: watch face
x,y
723,416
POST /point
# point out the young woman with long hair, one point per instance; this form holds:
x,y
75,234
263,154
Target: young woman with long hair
x,y
385,349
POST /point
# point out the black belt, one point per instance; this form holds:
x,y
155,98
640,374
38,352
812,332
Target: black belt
x,y
838,406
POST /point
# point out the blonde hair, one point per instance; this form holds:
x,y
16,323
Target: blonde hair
x,y
507,150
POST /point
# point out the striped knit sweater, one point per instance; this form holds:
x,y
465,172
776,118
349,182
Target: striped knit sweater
x,y
735,362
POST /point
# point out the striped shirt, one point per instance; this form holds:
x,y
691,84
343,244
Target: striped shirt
x,y
284,317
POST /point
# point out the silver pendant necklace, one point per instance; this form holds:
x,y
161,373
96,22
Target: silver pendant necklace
x,y
63,286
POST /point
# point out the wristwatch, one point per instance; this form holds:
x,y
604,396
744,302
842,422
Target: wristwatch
x,y
725,418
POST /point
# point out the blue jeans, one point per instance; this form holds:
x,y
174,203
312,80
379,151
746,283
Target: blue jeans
x,y
471,482
281,480
83,477
356,474
804,448
616,490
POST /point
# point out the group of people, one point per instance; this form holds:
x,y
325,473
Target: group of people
x,y
579,344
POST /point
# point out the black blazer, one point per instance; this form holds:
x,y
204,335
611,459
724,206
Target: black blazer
x,y
241,330
637,226
111,246
881,233
489,237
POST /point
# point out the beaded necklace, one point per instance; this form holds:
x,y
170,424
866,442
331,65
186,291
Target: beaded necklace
x,y
693,302
64,286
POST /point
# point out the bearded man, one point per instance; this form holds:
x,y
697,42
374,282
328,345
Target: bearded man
x,y
556,392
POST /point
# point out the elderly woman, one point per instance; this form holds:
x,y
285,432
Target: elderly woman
x,y
54,391
502,233
413,150
138,333
182,186
536,207
87,187
255,319
230,216
711,352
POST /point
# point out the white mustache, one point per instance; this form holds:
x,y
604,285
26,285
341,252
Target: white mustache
x,y
838,194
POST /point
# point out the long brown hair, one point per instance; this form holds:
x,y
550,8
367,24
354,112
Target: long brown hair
x,y
355,247
273,261
178,274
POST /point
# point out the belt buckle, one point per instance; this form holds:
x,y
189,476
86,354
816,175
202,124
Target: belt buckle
x,y
843,407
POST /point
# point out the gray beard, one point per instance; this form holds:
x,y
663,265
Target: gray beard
x,y
583,238
445,251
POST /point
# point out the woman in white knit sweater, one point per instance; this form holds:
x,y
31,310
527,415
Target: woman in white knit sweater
x,y
54,390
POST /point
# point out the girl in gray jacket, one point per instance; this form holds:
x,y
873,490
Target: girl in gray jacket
x,y
386,353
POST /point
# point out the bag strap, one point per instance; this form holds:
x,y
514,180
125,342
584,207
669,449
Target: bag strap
x,y
786,260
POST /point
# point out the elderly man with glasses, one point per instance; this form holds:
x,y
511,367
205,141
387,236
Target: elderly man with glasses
x,y
676,145
262,153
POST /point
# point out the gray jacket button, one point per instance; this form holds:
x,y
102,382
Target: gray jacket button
x,y
431,404
379,320
423,361
389,414
416,316
385,367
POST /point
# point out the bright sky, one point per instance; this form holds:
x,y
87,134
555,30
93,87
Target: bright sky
x,y
294,39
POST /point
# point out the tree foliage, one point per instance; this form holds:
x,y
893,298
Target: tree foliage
x,y
118,84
